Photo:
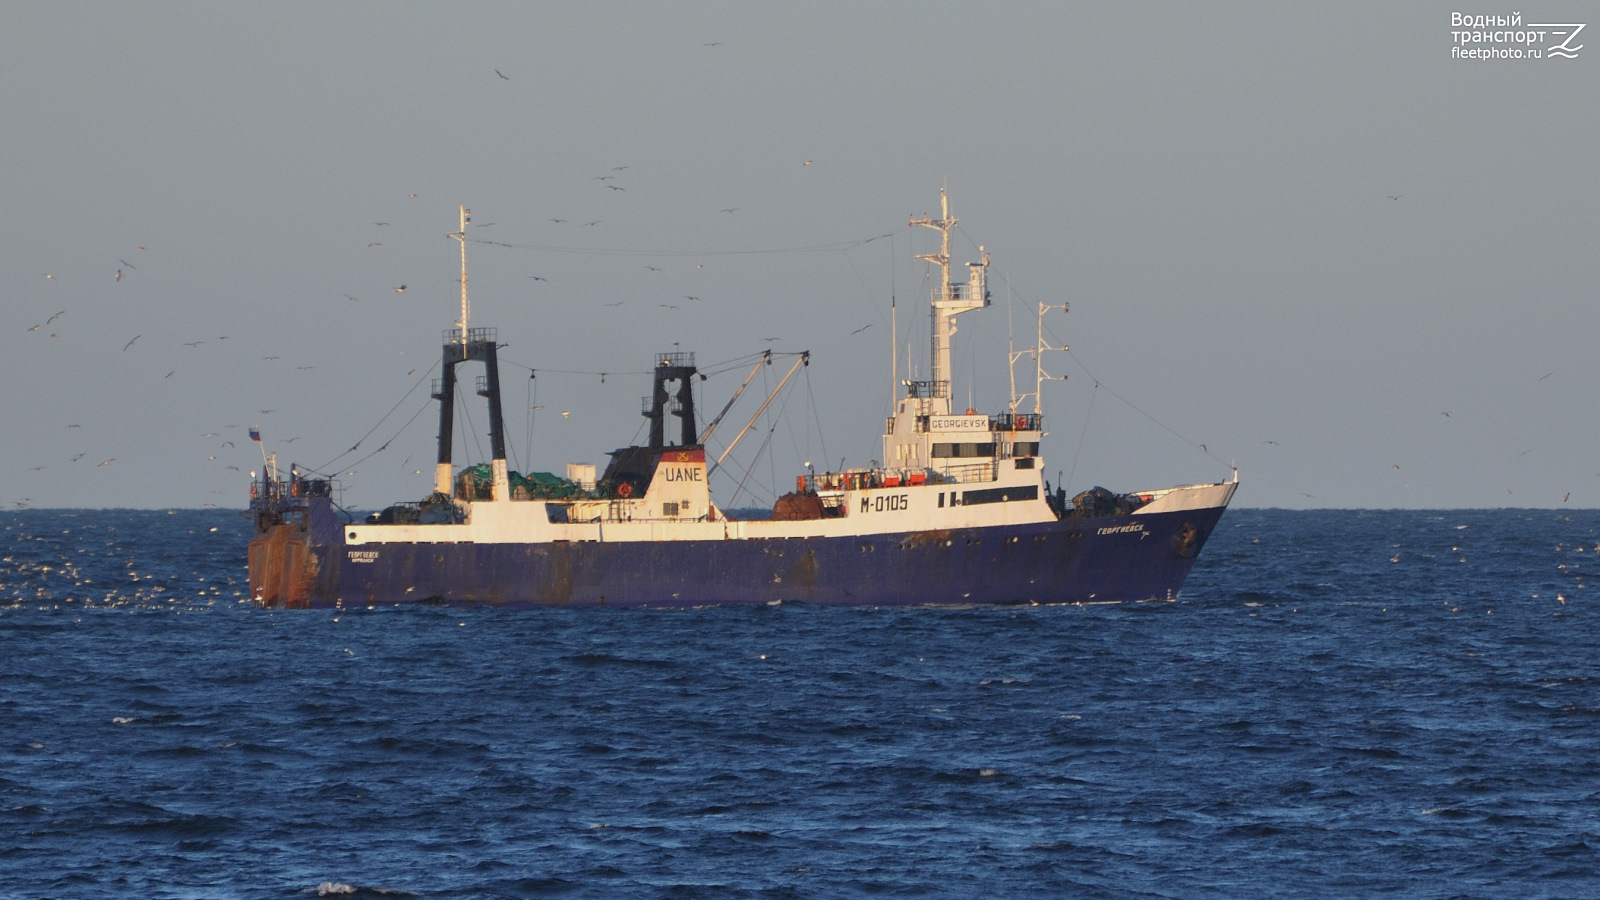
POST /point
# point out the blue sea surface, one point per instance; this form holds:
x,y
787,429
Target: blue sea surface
x,y
1341,703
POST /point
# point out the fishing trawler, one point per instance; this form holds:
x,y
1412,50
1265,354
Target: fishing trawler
x,y
957,513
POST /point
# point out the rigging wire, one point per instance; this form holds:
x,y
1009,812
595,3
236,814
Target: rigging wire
x,y
709,371
734,461
1133,406
599,251
467,428
1129,403
1076,454
866,291
894,334
533,398
765,443
822,437
794,444
766,373
425,376
420,410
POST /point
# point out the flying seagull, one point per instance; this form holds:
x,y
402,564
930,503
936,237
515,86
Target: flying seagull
x,y
862,328
130,343
400,290
501,74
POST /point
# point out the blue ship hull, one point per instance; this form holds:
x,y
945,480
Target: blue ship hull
x,y
958,512
305,563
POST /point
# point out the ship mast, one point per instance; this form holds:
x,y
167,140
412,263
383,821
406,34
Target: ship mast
x,y
949,299
461,345
1040,376
466,308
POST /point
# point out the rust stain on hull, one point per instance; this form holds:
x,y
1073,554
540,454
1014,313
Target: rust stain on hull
x,y
925,539
282,569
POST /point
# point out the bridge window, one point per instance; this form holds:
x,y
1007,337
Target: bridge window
x,y
960,451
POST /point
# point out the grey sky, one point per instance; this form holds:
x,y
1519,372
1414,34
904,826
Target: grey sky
x,y
1208,186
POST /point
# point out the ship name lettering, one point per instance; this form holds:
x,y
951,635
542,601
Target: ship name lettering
x,y
362,556
885,503
685,473
1121,529
959,423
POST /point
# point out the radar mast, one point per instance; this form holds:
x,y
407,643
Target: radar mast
x,y
949,299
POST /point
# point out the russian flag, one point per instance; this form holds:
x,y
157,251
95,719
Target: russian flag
x,y
255,434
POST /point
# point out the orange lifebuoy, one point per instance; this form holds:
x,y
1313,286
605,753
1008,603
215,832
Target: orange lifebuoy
x,y
294,488
624,490
252,490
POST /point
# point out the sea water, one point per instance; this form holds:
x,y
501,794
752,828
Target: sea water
x,y
1340,703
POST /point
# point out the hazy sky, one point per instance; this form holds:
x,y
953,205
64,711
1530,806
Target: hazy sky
x,y
1304,237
